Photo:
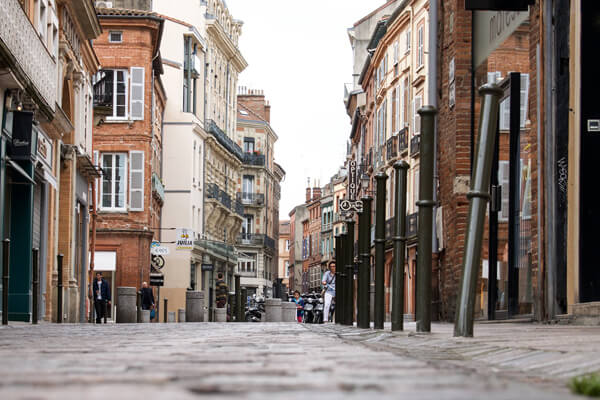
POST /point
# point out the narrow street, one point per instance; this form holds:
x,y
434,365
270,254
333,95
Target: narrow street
x,y
256,361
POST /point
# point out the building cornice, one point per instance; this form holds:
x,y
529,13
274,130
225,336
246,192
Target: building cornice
x,y
224,42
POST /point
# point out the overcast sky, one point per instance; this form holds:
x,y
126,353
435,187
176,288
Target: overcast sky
x,y
298,52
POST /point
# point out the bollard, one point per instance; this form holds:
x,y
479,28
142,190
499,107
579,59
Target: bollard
x,y
244,302
220,314
166,310
401,168
144,316
35,286
59,288
364,269
338,279
138,304
171,316
349,287
341,284
425,231
238,299
126,310
381,178
273,310
478,197
194,306
181,315
288,311
5,277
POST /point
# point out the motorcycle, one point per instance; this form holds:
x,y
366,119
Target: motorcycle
x,y
255,310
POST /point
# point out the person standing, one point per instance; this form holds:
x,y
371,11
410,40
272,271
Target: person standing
x,y
221,290
299,305
101,291
147,298
328,282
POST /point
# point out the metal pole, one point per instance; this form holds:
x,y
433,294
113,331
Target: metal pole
x,y
349,289
364,269
244,291
59,288
238,297
35,286
425,204
340,286
381,178
338,259
478,197
166,310
401,168
5,277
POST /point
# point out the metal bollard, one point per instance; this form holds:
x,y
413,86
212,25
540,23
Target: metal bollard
x,y
59,288
338,260
381,177
478,198
340,285
5,278
401,168
166,310
244,291
238,299
349,284
35,286
363,316
425,231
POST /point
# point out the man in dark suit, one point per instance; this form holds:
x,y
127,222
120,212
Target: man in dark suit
x,y
147,297
101,291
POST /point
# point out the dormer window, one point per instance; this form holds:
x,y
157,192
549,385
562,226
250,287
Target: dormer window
x,y
115,37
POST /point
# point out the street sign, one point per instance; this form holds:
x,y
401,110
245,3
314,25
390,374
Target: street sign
x,y
351,206
185,239
157,262
207,267
157,279
158,250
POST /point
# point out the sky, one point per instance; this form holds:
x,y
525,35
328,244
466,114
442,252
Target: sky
x,y
299,53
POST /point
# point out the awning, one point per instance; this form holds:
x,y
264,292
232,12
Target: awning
x,y
104,260
19,170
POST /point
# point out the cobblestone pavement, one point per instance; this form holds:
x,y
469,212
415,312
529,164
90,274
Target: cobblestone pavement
x,y
243,361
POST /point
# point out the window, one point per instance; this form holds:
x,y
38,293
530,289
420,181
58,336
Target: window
x,y
415,186
247,264
248,145
136,179
396,120
117,78
191,71
247,187
287,269
420,38
247,226
115,37
505,106
407,41
114,181
417,103
287,245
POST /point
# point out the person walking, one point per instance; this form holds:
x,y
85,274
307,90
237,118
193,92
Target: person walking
x,y
101,291
328,282
147,298
221,290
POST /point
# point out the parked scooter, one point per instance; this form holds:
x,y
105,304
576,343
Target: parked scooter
x,y
313,308
255,310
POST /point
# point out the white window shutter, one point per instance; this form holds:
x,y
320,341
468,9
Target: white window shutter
x,y
96,181
524,99
136,181
503,180
137,93
505,114
417,103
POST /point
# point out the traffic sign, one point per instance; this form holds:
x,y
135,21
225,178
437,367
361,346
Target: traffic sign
x,y
157,279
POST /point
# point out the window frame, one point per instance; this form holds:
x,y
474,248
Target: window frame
x,y
112,207
110,33
114,116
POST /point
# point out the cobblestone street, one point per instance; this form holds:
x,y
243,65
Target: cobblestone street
x,y
256,361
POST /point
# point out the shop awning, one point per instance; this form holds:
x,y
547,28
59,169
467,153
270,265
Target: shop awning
x,y
105,260
17,168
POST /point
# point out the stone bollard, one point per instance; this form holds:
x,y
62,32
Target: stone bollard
x,y
288,311
220,315
171,316
181,315
273,310
194,306
144,316
126,307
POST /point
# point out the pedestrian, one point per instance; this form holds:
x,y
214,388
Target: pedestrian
x,y
147,299
101,291
299,305
328,282
221,290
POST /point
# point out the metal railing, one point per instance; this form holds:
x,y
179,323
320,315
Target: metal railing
x,y
103,92
218,248
223,139
392,148
415,145
249,198
256,239
412,224
403,140
158,187
254,159
214,192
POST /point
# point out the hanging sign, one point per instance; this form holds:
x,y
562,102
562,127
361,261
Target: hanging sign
x,y
352,180
185,239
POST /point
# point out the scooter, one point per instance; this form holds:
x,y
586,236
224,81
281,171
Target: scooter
x,y
255,310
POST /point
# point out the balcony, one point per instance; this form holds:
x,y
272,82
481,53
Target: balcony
x,y
412,224
389,228
158,188
326,227
403,140
103,93
223,139
29,60
214,192
392,148
254,159
250,199
219,249
415,145
256,239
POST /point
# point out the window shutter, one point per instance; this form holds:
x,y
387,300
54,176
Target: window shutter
x,y
505,114
524,99
137,93
417,118
136,181
503,178
96,163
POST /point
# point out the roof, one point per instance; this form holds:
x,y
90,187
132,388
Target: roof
x,y
369,15
125,12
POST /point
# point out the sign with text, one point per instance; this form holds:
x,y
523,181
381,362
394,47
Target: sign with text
x,y
352,180
491,29
185,239
351,206
158,250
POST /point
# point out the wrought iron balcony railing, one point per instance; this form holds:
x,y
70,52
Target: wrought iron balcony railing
x,y
415,145
412,224
157,187
254,159
392,148
214,192
249,198
103,91
256,239
224,140
403,140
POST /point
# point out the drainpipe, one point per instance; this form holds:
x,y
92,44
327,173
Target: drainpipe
x,y
432,97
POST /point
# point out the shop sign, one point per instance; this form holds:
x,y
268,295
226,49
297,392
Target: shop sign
x,y
185,239
491,29
158,250
352,180
44,149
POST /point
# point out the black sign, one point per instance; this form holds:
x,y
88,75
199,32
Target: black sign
x,y
498,5
207,267
157,279
24,141
352,180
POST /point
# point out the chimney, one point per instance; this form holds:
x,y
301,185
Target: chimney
x,y
308,191
267,112
316,191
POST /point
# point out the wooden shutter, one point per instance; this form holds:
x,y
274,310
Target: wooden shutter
x,y
137,93
417,103
136,181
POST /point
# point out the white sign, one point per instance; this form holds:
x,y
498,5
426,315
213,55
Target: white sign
x,y
159,250
185,239
491,29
